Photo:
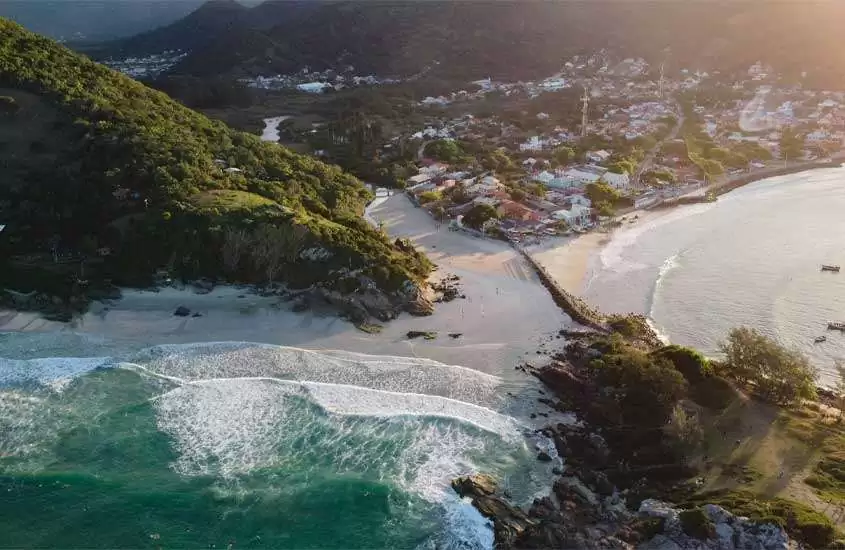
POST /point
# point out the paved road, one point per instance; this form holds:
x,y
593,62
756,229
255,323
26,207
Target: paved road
x,y
649,157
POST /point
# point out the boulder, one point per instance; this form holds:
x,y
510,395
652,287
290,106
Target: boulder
x,y
475,485
182,311
543,456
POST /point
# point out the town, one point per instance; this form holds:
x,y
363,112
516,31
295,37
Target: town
x,y
601,138
642,140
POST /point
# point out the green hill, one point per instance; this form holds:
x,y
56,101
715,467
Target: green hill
x,y
101,170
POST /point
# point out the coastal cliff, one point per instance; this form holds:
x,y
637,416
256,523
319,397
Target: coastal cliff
x,y
637,446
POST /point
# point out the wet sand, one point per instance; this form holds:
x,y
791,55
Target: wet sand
x,y
504,319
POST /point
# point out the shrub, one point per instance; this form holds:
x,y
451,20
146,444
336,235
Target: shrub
x,y
429,196
687,361
800,521
695,523
645,390
713,392
780,375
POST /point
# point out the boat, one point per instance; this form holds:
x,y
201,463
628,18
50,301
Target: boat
x,y
820,339
834,268
836,326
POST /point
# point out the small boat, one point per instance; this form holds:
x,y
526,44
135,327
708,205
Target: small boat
x,y
820,339
834,268
836,326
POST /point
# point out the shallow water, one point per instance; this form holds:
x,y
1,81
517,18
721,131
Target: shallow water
x,y
753,258
250,444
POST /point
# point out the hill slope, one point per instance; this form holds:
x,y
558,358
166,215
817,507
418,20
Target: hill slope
x,y
97,165
513,39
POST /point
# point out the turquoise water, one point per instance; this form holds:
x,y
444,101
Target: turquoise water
x,y
246,445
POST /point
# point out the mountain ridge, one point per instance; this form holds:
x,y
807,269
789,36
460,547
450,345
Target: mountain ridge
x,y
100,168
522,40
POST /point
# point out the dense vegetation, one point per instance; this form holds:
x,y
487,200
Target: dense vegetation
x,y
775,373
99,168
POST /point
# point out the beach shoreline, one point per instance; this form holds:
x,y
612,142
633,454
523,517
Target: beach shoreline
x,y
506,317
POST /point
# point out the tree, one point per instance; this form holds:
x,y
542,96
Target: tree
x,y
478,214
604,209
778,374
602,192
538,190
429,196
646,389
445,150
685,429
564,155
235,244
791,144
517,195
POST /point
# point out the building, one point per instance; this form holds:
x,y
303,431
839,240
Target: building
x,y
598,156
583,175
575,216
544,177
515,211
617,181
419,179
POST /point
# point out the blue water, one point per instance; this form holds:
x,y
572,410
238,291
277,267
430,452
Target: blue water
x,y
246,445
753,258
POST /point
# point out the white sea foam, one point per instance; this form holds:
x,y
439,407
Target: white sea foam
x,y
53,371
612,254
385,373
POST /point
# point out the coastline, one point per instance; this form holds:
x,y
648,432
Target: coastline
x,y
505,318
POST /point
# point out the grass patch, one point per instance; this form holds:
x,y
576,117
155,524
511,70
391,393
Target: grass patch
x,y
800,521
229,200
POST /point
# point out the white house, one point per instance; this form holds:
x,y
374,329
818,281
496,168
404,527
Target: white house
x,y
490,181
598,156
435,169
418,180
534,143
487,184
580,200
576,216
582,177
617,181
313,87
544,177
562,182
531,161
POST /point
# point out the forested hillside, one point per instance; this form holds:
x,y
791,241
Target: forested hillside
x,y
508,39
101,170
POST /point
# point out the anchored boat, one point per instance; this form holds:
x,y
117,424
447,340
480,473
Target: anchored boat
x,y
836,326
820,339
834,268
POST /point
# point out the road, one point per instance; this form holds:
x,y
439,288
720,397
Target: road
x,y
649,157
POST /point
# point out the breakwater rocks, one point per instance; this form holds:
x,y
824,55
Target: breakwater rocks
x,y
575,307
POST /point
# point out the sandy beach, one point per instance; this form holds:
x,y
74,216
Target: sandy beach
x,y
505,318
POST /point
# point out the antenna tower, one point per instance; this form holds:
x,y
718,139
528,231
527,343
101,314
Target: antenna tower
x,y
661,82
585,110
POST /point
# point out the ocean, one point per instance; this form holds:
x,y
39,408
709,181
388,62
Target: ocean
x,y
752,258
234,444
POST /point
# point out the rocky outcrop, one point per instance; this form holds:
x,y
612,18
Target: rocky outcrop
x,y
415,299
509,522
725,531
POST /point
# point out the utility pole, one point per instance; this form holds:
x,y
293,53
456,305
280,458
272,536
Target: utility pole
x,y
585,110
661,82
